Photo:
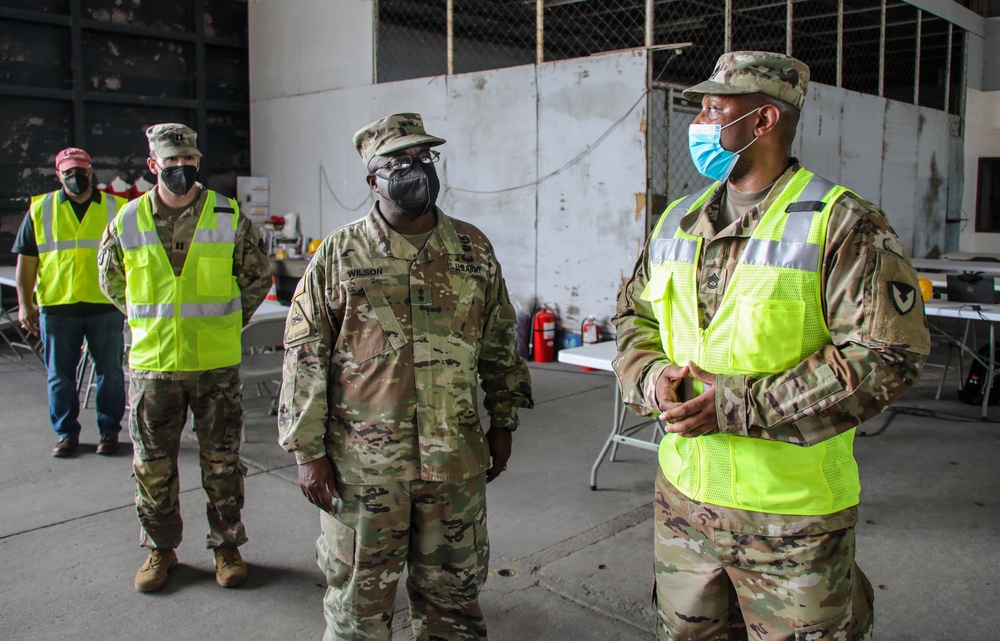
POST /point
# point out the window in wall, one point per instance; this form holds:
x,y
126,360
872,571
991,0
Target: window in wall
x,y
988,196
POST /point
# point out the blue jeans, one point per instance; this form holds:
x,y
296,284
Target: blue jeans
x,y
63,337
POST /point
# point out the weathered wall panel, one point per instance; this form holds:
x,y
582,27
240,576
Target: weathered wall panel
x,y
34,55
861,144
589,225
931,183
589,222
137,66
896,155
591,216
491,148
899,170
818,142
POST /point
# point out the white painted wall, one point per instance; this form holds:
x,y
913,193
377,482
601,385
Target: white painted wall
x,y
891,153
565,240
570,239
303,46
982,140
982,131
590,226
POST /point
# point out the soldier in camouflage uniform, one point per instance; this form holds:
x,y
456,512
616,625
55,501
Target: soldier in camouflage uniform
x,y
395,319
766,318
189,270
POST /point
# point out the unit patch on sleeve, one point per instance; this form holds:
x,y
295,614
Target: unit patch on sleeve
x,y
904,296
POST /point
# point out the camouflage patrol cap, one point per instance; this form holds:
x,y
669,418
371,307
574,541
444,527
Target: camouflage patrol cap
x,y
172,139
743,72
393,133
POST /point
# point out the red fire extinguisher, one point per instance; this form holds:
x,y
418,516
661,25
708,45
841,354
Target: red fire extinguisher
x,y
591,333
544,336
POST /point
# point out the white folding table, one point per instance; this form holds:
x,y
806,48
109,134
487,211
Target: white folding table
x,y
935,308
599,356
956,266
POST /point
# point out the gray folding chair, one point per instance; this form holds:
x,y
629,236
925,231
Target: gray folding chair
x,y
262,357
22,340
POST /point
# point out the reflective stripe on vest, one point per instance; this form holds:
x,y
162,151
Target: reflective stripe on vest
x,y
769,319
67,248
189,322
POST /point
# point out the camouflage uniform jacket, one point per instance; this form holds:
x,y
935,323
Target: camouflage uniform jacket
x,y
250,262
384,344
875,356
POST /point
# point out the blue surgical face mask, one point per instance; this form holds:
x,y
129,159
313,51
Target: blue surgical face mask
x,y
707,153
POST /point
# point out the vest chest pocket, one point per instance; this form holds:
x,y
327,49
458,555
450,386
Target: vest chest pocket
x,y
370,327
140,286
657,294
767,334
215,276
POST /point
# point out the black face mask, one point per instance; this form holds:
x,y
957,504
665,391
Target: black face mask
x,y
415,189
179,179
77,183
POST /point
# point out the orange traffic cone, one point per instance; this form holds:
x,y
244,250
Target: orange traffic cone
x,y
272,294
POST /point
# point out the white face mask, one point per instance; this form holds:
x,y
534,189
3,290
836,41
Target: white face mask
x,y
707,153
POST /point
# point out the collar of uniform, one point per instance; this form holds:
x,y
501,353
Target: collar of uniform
x,y
780,184
95,196
699,222
384,241
196,205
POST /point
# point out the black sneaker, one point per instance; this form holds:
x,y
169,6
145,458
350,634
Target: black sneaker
x,y
65,447
108,445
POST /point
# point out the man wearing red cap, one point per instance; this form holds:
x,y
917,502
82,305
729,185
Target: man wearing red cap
x,y
57,263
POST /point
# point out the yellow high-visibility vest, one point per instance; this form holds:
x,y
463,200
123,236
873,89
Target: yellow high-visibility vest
x,y
190,322
67,248
770,319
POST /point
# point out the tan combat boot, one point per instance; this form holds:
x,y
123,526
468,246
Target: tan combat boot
x,y
153,573
230,569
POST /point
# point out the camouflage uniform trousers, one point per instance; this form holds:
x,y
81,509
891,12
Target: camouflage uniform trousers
x,y
158,412
717,585
436,529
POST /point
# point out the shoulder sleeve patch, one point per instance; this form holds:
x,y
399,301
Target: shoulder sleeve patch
x,y
300,327
897,308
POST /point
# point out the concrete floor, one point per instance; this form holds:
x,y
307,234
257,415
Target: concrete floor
x,y
567,562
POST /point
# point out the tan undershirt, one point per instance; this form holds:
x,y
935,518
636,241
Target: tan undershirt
x,y
736,204
171,212
418,240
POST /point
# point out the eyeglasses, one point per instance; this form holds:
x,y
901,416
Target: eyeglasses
x,y
403,162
